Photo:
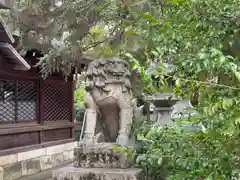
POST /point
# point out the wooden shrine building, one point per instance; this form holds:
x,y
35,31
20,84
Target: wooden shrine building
x,y
34,112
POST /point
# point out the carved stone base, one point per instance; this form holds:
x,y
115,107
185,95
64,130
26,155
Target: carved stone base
x,y
101,155
72,173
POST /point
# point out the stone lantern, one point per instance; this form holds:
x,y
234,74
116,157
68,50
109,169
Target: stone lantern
x,y
163,107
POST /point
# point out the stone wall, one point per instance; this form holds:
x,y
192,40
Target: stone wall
x,y
26,163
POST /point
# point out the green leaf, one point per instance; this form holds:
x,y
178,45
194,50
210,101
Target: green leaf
x,y
237,121
155,53
237,74
227,103
160,161
178,82
116,146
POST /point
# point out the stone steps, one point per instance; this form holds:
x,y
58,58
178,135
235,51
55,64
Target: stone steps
x,y
43,175
72,173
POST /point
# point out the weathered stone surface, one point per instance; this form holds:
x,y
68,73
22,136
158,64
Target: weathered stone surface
x,y
31,154
99,156
27,163
5,160
71,154
71,173
1,173
69,146
12,171
67,155
163,103
57,159
45,163
109,89
31,166
54,150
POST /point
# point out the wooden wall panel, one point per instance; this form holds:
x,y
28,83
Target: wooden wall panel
x,y
56,102
57,134
9,141
54,112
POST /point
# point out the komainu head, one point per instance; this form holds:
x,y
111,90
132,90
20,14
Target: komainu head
x,y
108,71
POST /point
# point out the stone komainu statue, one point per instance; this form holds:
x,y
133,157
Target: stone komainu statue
x,y
109,90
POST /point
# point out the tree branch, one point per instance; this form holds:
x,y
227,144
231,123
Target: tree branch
x,y
100,42
95,44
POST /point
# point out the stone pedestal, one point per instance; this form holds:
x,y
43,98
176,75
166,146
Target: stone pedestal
x,y
72,173
99,162
101,155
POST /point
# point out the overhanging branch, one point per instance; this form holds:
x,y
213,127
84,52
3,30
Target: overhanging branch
x,y
101,42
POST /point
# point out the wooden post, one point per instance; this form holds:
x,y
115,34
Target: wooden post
x,y
71,105
16,101
40,108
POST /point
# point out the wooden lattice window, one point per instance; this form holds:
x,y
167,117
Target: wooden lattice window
x,y
56,102
17,101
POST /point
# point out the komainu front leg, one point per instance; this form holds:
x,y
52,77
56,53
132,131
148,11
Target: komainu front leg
x,y
90,119
124,138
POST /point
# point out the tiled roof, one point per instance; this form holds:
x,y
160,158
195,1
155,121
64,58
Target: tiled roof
x,y
7,51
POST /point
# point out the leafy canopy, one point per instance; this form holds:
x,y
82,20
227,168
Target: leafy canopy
x,y
65,30
200,39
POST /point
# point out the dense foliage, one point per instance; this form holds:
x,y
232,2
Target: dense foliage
x,y
62,30
79,91
200,39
